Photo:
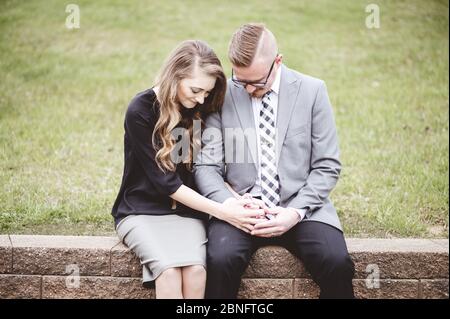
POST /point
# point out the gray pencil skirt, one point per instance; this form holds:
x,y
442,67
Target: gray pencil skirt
x,y
164,241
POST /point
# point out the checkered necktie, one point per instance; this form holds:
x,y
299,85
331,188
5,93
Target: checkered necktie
x,y
270,187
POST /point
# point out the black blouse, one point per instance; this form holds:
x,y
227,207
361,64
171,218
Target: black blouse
x,y
145,188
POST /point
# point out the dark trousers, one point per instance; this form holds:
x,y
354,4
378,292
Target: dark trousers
x,y
319,246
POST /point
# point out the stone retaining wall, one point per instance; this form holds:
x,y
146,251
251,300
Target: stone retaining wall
x,y
101,267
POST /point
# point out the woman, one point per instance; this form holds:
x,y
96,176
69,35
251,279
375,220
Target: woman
x,y
158,214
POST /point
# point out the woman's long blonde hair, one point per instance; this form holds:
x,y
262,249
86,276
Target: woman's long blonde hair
x,y
180,65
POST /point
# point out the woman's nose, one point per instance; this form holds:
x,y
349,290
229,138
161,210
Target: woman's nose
x,y
200,99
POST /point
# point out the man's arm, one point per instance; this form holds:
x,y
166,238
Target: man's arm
x,y
209,167
325,164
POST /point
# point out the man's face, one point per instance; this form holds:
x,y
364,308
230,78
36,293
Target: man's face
x,y
258,72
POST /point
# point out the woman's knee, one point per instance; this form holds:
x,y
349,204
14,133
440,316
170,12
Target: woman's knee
x,y
169,284
195,271
170,274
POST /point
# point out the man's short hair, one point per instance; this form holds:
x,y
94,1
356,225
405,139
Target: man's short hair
x,y
244,44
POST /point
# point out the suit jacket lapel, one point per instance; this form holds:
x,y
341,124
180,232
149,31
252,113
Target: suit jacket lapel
x,y
289,88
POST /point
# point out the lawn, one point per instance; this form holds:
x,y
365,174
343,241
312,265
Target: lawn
x,y
63,94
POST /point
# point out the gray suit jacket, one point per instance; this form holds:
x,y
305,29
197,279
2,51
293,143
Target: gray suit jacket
x,y
307,147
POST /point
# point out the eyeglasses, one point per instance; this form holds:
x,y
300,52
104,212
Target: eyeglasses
x,y
254,84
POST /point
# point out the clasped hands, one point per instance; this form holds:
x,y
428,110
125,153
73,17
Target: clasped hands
x,y
252,216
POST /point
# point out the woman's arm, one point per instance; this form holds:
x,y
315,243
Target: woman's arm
x,y
232,211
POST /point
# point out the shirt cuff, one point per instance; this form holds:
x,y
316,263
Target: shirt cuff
x,y
300,211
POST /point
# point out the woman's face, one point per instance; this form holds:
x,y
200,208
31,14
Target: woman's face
x,y
195,89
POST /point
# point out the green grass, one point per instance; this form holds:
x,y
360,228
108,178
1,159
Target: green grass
x,y
63,94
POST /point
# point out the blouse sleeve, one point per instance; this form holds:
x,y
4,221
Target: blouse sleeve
x,y
140,131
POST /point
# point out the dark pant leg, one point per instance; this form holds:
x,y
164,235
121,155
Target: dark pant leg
x,y
229,250
323,251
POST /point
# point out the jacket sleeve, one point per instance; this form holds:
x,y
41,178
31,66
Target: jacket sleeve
x,y
209,166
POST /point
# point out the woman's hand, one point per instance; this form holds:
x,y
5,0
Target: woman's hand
x,y
256,203
234,212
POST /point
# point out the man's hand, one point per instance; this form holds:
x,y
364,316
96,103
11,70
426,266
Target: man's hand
x,y
284,219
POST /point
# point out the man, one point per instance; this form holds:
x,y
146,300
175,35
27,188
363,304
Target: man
x,y
293,170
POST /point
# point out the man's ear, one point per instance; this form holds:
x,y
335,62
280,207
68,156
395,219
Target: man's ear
x,y
279,59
